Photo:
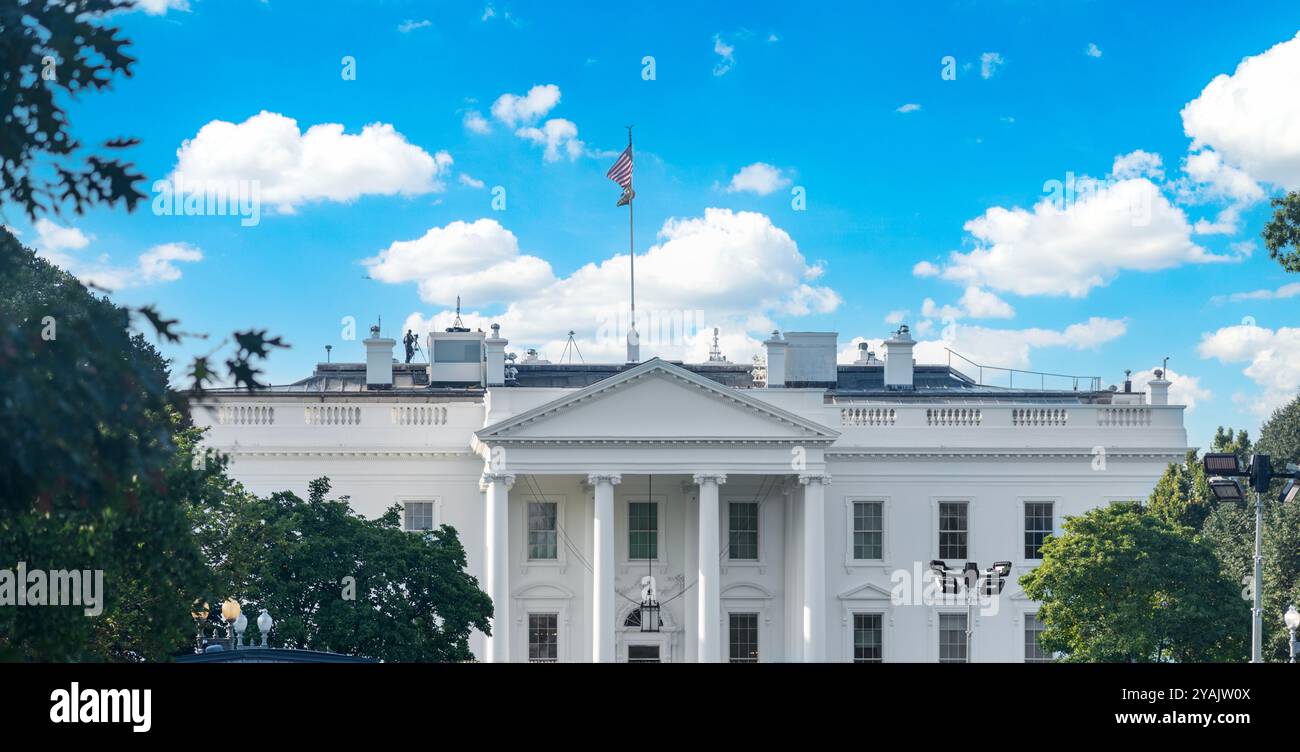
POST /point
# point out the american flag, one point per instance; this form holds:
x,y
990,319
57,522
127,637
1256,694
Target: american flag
x,y
621,172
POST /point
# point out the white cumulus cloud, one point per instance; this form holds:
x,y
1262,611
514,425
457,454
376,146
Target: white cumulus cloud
x,y
1183,388
1272,358
1252,116
733,270
293,167
760,178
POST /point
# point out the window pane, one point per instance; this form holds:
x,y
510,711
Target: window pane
x,y
868,530
1034,652
457,351
743,537
543,638
418,515
643,530
542,530
642,653
1038,524
952,530
867,638
952,638
743,642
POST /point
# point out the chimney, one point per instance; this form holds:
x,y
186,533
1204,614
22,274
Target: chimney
x,y
810,360
1159,386
496,357
898,359
775,361
379,361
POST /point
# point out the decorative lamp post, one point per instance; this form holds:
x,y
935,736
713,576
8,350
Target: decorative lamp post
x,y
230,612
264,624
1292,619
241,624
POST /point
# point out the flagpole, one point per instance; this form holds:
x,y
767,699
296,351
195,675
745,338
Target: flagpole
x,y
633,351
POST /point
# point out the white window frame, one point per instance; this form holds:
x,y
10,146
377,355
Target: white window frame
x,y
885,619
437,509
540,599
885,548
727,562
559,632
622,533
747,598
1021,501
1025,619
561,560
936,631
969,501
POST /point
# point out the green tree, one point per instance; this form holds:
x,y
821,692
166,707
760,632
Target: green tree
x,y
53,50
1230,530
334,580
1182,495
1282,233
97,470
1123,585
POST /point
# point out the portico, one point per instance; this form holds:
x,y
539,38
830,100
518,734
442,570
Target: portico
x,y
651,452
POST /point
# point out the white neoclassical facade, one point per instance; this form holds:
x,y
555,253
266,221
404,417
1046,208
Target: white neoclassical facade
x,y
785,518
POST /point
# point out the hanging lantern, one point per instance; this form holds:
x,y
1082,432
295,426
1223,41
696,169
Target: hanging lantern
x,y
649,605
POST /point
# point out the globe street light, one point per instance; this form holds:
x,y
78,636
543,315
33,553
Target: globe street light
x,y
1292,619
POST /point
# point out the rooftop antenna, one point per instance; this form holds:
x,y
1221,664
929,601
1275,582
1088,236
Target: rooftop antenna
x,y
571,348
457,325
715,353
327,352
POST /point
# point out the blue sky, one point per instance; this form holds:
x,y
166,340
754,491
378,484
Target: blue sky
x,y
845,104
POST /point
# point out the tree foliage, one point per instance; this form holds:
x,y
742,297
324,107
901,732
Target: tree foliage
x,y
97,473
336,581
1182,495
1282,233
1124,585
52,51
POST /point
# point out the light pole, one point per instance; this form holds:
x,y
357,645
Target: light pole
x,y
990,582
1292,619
1223,467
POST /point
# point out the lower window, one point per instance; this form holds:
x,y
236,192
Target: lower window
x,y
1034,652
868,634
643,654
952,638
743,633
543,638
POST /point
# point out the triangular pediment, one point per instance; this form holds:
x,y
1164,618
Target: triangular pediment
x,y
657,401
865,591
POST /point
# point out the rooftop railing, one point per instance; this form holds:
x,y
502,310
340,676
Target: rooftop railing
x,y
1060,381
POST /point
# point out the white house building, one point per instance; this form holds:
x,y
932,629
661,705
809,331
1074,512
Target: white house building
x,y
791,518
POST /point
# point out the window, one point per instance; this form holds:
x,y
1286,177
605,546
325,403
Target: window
x,y
643,530
633,619
543,638
742,542
1034,652
867,636
1038,523
952,530
418,515
868,530
542,528
457,351
743,631
642,653
952,638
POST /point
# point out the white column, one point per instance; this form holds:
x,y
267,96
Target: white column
x,y
496,554
814,567
691,603
602,568
709,612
